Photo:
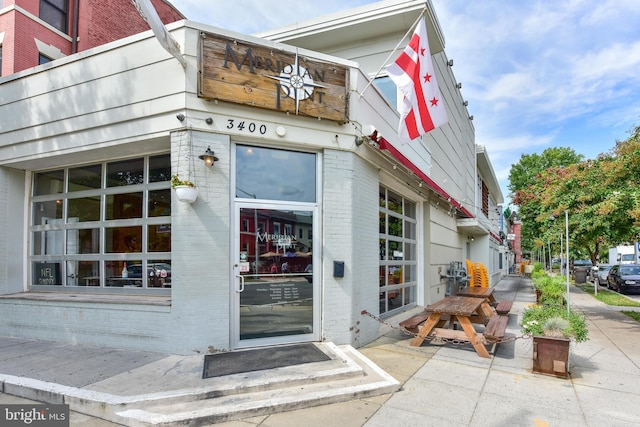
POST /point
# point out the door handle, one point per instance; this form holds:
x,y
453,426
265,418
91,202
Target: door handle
x,y
241,283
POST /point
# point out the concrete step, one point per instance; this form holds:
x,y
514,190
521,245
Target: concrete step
x,y
171,391
277,390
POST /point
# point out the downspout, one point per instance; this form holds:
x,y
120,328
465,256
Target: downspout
x,y
74,31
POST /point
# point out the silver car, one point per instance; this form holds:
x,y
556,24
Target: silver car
x,y
600,273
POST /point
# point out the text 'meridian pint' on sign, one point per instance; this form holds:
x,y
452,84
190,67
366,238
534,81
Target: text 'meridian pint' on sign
x,y
259,76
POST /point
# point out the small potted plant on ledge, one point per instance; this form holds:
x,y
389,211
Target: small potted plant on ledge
x,y
553,327
186,191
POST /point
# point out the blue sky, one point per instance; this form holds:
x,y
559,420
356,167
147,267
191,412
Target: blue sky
x,y
537,73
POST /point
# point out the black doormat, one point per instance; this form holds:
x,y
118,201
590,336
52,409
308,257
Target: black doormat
x,y
237,362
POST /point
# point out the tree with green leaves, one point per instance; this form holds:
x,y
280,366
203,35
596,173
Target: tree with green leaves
x,y
523,176
602,198
524,173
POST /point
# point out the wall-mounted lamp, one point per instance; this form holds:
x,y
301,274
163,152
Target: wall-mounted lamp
x,y
459,85
465,103
471,238
450,63
208,157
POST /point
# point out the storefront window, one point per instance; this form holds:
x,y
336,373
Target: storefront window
x,y
265,173
104,225
398,252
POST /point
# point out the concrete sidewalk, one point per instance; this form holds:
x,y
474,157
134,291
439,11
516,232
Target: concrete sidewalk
x,y
441,384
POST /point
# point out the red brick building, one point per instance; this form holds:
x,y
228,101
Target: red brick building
x,y
33,32
516,243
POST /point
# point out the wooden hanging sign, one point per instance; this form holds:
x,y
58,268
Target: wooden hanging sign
x,y
261,76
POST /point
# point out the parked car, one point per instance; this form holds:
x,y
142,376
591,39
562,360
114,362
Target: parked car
x,y
600,273
160,269
624,278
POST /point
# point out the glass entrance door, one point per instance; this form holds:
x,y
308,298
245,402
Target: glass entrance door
x,y
275,298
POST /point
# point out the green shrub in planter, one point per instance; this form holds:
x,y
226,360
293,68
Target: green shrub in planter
x,y
554,320
538,275
540,279
554,291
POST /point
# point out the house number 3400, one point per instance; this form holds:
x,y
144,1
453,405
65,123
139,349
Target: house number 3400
x,y
242,126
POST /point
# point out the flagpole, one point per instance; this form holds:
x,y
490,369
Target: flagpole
x,y
150,15
371,79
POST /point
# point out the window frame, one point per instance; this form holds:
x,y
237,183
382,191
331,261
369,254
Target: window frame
x,y
147,223
61,13
407,287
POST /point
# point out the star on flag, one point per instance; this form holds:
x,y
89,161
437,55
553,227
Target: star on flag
x,y
414,75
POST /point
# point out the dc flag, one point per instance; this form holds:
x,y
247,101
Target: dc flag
x,y
423,108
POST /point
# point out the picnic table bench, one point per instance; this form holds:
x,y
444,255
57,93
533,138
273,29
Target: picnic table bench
x,y
457,310
412,324
496,328
504,307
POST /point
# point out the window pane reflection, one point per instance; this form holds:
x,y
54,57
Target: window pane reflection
x,y
127,172
85,178
395,226
383,197
88,274
383,223
160,203
122,239
124,206
50,182
89,241
265,173
160,168
84,209
159,273
159,238
44,212
394,202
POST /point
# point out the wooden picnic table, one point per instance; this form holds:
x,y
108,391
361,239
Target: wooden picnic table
x,y
477,292
461,310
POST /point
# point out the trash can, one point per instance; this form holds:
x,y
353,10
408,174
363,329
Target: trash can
x,y
528,269
580,274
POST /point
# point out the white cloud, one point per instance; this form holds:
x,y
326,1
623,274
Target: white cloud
x,y
536,73
252,16
610,64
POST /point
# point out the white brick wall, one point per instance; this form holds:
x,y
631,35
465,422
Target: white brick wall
x,y
201,250
350,203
